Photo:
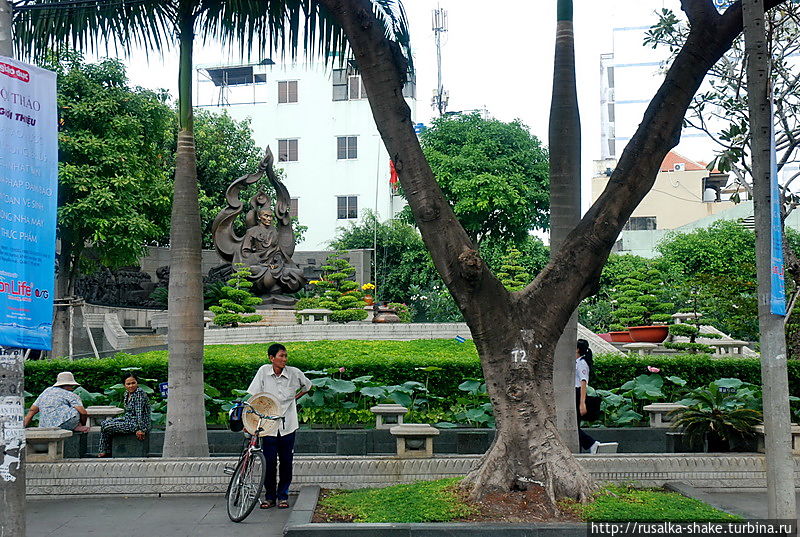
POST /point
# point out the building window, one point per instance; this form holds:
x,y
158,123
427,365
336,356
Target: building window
x,y
640,223
356,88
287,150
287,91
346,207
346,147
347,86
293,211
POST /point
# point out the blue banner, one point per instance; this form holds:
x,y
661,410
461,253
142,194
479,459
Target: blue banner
x,y
777,299
28,202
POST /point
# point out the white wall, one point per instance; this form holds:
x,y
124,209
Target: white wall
x,y
317,177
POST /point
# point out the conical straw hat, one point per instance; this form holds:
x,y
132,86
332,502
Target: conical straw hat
x,y
266,404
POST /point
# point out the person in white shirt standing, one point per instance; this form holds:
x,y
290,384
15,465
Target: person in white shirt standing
x,y
286,384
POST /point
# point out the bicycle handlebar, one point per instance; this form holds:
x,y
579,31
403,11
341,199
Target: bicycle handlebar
x,y
260,415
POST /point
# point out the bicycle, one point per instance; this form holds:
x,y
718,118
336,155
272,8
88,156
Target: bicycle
x,y
247,478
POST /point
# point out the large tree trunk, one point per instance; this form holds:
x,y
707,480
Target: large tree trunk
x,y
185,434
527,446
565,204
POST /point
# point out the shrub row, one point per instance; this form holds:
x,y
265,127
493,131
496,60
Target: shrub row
x,y
229,367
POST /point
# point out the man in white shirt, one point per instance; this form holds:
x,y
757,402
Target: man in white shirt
x,y
286,384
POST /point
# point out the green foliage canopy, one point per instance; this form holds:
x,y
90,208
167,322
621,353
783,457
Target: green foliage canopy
x,y
494,174
114,163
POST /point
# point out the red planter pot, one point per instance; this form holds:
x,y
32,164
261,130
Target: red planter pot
x,y
649,334
605,337
621,337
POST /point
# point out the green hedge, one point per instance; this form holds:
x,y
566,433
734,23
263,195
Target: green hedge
x,y
229,367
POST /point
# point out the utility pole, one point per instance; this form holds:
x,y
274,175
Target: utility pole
x,y
769,262
440,96
12,436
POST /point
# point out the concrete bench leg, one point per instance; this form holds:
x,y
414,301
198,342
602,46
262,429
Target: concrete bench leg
x,y
128,446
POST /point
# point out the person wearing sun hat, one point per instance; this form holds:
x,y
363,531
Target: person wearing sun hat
x,y
59,406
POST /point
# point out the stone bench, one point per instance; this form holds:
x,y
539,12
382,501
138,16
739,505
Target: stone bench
x,y
45,444
388,415
659,413
795,439
728,346
681,318
311,316
414,439
642,349
98,413
125,446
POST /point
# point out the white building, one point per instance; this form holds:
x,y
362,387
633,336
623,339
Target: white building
x,y
319,125
631,73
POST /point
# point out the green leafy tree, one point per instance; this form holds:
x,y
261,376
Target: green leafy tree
x,y
513,275
338,292
494,174
225,151
114,182
236,300
401,258
720,268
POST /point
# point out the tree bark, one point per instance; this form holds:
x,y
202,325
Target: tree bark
x,y
185,434
527,446
565,203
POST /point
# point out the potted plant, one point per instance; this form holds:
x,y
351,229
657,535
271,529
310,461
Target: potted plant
x,y
692,332
368,298
719,417
639,306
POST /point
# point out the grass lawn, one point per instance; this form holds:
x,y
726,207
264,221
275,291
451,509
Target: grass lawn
x,y
621,503
424,501
436,501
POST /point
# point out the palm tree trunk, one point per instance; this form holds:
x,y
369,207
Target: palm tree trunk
x,y
186,421
565,203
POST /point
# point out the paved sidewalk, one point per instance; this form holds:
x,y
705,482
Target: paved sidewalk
x,y
204,515
746,504
201,515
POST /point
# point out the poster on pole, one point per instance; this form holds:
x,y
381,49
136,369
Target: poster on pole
x,y
777,298
28,202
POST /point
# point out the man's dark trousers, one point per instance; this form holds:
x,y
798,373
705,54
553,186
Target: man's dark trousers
x,y
278,448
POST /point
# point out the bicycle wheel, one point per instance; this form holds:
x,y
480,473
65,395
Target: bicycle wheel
x,y
245,487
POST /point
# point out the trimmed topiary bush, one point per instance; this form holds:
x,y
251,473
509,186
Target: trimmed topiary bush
x,y
236,300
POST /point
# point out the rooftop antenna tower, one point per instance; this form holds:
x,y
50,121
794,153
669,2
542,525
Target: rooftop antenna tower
x,y
440,96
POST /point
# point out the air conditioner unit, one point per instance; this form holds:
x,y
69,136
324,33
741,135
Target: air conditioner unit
x,y
679,167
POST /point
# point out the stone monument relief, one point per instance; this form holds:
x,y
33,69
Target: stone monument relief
x,y
267,245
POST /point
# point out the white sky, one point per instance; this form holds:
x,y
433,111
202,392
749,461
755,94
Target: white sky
x,y
499,59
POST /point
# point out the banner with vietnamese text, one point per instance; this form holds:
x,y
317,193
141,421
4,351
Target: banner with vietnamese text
x,y
28,202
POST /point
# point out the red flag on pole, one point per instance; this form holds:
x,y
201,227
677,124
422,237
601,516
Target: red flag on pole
x,y
394,182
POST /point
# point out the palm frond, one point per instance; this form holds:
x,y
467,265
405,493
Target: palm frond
x,y
41,26
272,26
392,15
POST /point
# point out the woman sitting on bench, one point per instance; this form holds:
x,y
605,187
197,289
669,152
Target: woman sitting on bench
x,y
135,420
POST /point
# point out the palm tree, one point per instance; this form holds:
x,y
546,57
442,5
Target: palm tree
x,y
565,201
41,25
